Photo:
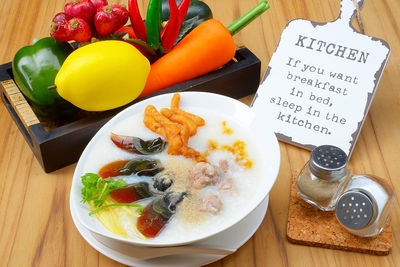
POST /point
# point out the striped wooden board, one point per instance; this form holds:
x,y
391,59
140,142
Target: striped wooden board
x,y
19,103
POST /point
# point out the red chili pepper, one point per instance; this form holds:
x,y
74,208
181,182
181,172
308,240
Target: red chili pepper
x,y
146,51
183,9
169,35
136,20
121,32
171,29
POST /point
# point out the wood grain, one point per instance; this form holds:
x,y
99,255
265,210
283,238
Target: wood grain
x,y
36,228
18,101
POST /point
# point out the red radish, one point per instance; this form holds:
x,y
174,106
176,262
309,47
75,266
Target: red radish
x,y
83,9
59,32
98,3
108,19
79,30
62,18
58,29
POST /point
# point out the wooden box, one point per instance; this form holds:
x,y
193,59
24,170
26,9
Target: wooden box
x,y
61,146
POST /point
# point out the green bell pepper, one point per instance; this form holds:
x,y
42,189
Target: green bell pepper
x,y
35,67
198,12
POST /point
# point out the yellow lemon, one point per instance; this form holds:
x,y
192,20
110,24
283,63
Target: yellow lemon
x,y
103,75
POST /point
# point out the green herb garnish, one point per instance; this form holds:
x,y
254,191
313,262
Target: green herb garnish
x,y
139,210
116,205
97,189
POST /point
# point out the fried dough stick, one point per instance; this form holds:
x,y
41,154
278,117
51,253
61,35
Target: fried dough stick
x,y
181,119
175,101
185,149
176,135
175,108
163,126
167,125
150,122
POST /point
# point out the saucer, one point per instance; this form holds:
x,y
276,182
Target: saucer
x,y
232,239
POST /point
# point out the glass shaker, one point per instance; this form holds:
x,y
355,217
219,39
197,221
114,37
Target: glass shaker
x,y
364,206
324,177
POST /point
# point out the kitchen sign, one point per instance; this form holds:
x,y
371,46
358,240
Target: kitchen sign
x,y
321,81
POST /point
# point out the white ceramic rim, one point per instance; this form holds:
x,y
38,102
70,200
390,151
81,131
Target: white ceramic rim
x,y
246,229
235,109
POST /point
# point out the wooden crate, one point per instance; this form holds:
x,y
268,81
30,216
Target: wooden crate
x,y
63,145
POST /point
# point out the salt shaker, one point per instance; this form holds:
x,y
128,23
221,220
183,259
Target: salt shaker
x,y
364,206
324,177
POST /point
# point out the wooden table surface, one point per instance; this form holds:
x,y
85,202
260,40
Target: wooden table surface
x,y
36,228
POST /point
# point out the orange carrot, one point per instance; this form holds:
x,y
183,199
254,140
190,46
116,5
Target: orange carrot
x,y
206,48
209,46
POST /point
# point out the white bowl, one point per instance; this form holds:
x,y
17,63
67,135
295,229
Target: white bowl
x,y
267,146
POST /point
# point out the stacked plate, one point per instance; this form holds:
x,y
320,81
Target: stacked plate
x,y
206,246
195,254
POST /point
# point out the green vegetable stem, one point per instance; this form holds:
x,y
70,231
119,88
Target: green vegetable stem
x,y
242,22
153,24
117,205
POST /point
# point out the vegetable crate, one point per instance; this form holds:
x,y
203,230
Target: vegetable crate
x,y
61,146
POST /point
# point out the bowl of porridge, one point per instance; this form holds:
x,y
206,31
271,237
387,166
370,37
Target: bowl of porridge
x,y
174,169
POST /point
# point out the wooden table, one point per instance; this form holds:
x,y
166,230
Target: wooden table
x,y
36,226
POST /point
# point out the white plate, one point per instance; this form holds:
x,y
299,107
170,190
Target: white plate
x,y
232,109
233,238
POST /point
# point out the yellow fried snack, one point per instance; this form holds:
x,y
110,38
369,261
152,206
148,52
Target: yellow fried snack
x,y
198,120
181,119
175,107
150,122
175,101
176,125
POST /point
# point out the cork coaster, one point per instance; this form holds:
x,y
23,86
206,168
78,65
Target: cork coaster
x,y
309,226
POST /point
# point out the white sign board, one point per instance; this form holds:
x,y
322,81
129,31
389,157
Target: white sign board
x,y
321,80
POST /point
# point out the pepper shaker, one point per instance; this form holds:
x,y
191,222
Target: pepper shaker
x,y
364,206
324,177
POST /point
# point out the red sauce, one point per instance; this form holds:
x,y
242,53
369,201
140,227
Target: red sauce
x,y
112,169
123,142
150,223
125,195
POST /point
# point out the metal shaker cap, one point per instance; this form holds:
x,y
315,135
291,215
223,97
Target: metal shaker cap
x,y
328,162
355,209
